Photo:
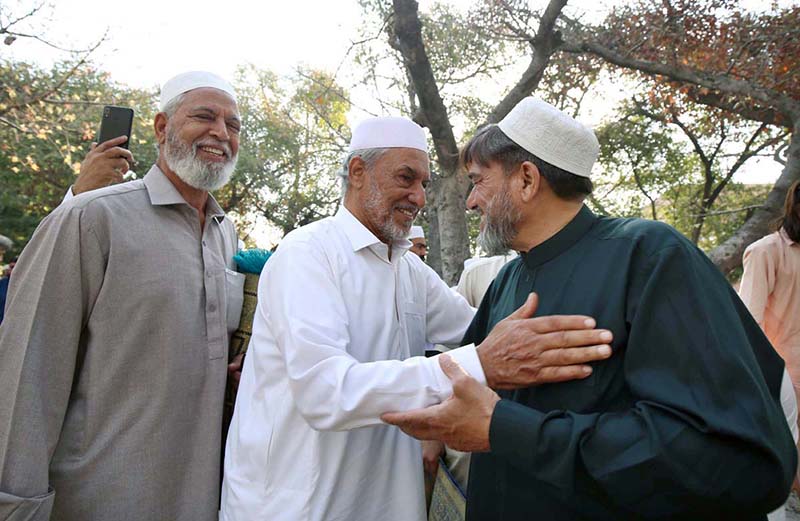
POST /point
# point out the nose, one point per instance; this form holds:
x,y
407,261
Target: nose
x,y
472,200
417,195
219,129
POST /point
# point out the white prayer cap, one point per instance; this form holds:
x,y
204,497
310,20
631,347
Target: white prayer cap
x,y
552,136
416,232
388,132
187,81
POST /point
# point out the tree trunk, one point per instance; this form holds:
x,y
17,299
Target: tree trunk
x,y
728,255
433,114
453,235
434,257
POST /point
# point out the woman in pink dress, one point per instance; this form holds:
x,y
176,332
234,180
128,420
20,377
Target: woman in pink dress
x,y
770,285
770,289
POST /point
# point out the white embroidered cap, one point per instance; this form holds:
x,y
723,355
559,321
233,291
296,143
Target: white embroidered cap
x,y
388,132
552,136
187,81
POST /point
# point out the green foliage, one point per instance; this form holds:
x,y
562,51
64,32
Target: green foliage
x,y
46,129
647,172
293,138
640,162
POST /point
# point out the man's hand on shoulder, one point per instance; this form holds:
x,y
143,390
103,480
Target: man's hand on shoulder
x,y
522,351
104,165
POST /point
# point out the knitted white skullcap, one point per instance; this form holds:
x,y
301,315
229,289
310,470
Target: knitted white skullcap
x,y
388,132
552,136
187,81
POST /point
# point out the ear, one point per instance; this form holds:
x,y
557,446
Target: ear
x,y
531,181
356,172
160,127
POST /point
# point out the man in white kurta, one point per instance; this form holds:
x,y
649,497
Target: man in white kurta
x,y
342,319
334,321
337,340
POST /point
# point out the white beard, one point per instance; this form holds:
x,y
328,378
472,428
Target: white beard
x,y
182,159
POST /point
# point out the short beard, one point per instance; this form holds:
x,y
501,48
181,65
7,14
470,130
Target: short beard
x,y
390,231
182,159
500,226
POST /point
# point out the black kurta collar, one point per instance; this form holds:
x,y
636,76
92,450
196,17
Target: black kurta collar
x,y
561,241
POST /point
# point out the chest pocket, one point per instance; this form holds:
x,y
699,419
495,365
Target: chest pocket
x,y
415,328
234,298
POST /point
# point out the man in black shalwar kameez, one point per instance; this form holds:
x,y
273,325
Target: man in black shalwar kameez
x,y
682,422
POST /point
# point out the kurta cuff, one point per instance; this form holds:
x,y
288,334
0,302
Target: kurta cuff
x,y
467,357
15,508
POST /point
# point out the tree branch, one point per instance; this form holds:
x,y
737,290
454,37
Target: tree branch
x,y
718,82
545,43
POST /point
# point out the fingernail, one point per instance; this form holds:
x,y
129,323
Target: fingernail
x,y
589,322
606,336
604,350
587,370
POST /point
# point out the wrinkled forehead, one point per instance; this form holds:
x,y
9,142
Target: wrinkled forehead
x,y
413,158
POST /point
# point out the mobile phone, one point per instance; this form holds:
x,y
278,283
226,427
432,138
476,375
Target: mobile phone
x,y
117,121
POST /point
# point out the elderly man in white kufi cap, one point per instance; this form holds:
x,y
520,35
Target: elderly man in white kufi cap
x,y
342,320
114,347
683,421
419,244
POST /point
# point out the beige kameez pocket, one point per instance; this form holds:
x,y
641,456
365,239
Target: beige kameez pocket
x,y
234,298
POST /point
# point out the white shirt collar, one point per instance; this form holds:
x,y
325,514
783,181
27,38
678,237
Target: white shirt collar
x,y
360,237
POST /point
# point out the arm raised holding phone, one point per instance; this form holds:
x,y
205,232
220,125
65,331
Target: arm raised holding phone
x,y
104,165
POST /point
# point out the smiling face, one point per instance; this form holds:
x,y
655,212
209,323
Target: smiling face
x,y
200,141
491,197
390,193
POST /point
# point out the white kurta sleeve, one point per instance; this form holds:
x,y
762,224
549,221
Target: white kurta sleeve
x,y
304,309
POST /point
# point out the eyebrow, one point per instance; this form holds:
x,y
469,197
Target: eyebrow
x,y
214,112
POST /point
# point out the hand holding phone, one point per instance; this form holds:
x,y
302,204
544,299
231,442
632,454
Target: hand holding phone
x,y
116,122
109,159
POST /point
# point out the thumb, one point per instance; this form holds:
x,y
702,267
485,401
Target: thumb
x,y
451,368
527,309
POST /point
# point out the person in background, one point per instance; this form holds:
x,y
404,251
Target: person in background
x,y
770,288
5,245
478,275
419,245
4,281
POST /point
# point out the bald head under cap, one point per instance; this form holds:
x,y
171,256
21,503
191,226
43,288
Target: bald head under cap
x,y
187,81
552,136
388,132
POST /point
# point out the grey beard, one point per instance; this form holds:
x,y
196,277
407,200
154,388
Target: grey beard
x,y
182,159
500,227
390,230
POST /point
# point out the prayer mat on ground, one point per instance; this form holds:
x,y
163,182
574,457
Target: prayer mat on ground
x,y
449,502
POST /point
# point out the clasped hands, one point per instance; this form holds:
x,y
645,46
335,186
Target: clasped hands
x,y
519,352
